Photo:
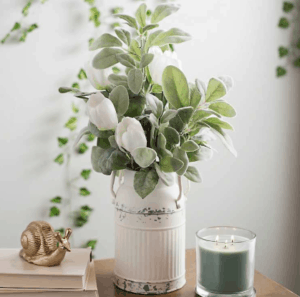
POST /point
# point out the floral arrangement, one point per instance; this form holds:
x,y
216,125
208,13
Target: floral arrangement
x,y
149,119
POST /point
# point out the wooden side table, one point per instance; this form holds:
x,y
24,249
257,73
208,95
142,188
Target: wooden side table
x,y
264,286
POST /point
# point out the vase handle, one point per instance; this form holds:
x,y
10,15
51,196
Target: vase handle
x,y
112,182
180,200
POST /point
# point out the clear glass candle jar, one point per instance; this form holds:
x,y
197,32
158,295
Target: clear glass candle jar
x,y
225,262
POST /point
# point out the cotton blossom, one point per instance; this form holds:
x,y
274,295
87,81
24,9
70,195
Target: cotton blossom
x,y
102,112
130,134
160,61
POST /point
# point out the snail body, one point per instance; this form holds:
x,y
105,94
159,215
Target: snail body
x,y
42,246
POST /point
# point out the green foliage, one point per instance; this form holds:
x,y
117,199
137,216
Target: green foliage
x,y
62,141
215,90
106,58
162,11
136,107
283,23
223,109
76,85
193,174
297,62
95,16
149,12
171,136
90,2
92,244
82,74
56,199
5,38
126,60
175,87
105,40
84,192
61,231
117,10
173,35
181,155
71,124
145,181
91,41
195,96
141,15
218,122
59,159
149,27
90,137
82,148
124,35
75,108
190,146
83,216
85,173
23,36
54,212
118,80
130,21
135,50
135,80
16,26
166,178
25,10
32,28
120,99
115,25
280,71
146,60
170,164
283,51
116,70
298,44
144,156
287,6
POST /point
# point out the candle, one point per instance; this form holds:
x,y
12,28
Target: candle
x,y
225,261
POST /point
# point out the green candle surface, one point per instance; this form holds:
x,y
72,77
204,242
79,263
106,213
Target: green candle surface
x,y
225,269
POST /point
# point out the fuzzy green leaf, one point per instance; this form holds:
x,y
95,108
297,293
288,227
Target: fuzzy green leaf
x,y
106,58
223,109
59,159
195,96
135,50
105,40
56,199
141,15
144,156
175,87
193,174
145,182
171,136
215,90
168,115
181,155
126,60
162,11
124,35
170,164
135,80
120,99
130,20
146,60
150,27
218,122
136,106
167,179
173,35
118,80
95,157
190,146
85,173
103,143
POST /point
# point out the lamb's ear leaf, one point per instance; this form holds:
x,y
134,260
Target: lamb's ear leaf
x,y
120,99
129,19
106,58
182,156
170,164
144,156
145,182
174,35
195,96
216,89
162,11
141,15
167,179
105,40
135,80
193,174
175,87
223,108
95,157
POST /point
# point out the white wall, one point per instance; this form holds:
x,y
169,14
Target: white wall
x,y
259,190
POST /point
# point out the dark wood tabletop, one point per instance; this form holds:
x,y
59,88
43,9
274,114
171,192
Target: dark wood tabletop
x,y
264,286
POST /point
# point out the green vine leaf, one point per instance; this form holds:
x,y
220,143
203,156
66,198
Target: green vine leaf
x,y
75,85
95,16
54,212
25,10
62,141
116,70
82,74
297,62
82,148
56,199
90,137
91,244
91,41
84,192
284,23
32,27
79,222
90,2
280,71
85,173
117,10
16,26
283,51
59,159
71,124
61,231
115,25
23,36
288,6
85,211
75,108
5,38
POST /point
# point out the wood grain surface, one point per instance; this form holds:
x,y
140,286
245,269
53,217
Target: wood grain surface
x,y
264,286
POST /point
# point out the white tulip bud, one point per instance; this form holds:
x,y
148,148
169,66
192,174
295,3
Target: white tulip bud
x,y
130,134
160,61
102,112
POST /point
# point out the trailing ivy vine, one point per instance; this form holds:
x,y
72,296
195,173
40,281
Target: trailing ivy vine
x,y
290,20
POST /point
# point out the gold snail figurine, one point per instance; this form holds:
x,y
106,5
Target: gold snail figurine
x,y
42,246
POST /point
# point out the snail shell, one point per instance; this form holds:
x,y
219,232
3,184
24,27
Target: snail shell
x,y
38,239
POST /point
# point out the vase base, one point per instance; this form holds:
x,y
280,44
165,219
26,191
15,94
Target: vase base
x,y
203,293
149,288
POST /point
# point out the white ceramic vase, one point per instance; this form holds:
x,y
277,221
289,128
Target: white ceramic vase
x,y
149,238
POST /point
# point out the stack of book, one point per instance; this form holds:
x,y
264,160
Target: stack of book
x,y
75,276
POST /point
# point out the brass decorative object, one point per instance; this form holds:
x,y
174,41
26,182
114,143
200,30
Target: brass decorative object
x,y
42,246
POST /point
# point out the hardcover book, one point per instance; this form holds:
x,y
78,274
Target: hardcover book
x,y
70,274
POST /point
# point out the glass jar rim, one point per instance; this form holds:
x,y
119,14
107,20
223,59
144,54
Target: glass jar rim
x,y
224,227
